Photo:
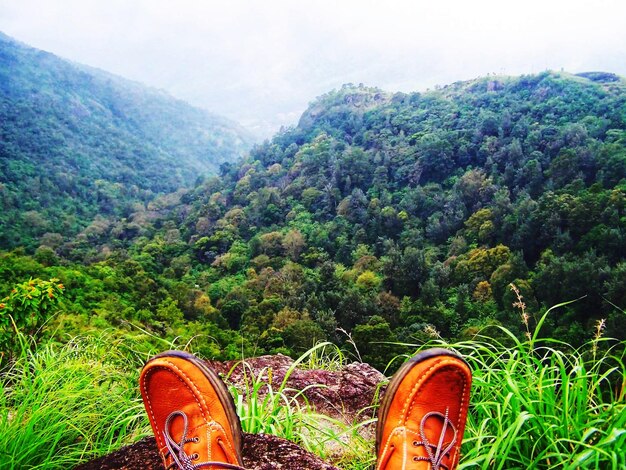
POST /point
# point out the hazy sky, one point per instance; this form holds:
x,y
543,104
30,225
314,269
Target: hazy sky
x,y
261,62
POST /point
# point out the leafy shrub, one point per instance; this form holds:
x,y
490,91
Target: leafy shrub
x,y
26,309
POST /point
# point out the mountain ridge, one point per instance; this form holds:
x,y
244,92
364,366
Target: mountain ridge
x,y
66,126
430,203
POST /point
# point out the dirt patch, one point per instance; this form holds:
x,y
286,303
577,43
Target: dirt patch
x,y
260,452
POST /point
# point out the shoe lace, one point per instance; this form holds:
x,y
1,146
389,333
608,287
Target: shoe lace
x,y
181,460
436,453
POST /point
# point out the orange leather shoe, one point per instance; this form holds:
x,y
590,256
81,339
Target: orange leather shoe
x,y
422,417
191,412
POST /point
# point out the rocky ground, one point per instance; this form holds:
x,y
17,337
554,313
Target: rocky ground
x,y
342,394
260,452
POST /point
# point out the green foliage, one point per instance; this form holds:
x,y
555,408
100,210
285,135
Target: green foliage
x,y
81,148
427,199
534,404
328,357
541,403
26,309
63,405
368,281
481,262
389,217
374,341
419,209
545,407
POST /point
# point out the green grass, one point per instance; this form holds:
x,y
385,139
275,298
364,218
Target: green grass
x,y
551,406
541,403
62,405
537,403
324,356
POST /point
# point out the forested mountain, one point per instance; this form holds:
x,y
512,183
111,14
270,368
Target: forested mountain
x,y
76,142
390,216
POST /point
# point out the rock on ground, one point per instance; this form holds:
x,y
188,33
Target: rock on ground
x,y
346,394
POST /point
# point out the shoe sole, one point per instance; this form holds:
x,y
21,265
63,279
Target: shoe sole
x,y
226,399
398,377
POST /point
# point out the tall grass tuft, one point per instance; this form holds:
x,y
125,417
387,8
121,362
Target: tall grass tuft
x,y
541,403
62,405
549,407
328,356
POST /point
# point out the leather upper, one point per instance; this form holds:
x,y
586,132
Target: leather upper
x,y
174,384
425,419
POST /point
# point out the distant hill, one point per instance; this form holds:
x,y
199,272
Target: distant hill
x,y
408,210
393,216
76,142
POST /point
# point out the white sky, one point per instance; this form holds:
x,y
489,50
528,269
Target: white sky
x,y
261,62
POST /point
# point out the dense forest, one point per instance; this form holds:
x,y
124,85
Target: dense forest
x,y
77,142
379,218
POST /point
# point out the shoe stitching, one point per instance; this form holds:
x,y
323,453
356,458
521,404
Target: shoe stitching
x,y
463,378
445,363
158,434
405,448
387,444
196,395
410,401
461,412
406,404
145,390
150,372
221,428
210,419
